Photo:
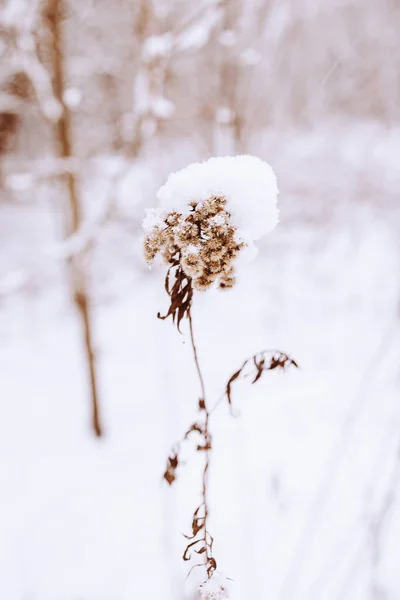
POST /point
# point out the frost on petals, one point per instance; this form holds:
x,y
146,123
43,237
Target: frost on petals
x,y
209,216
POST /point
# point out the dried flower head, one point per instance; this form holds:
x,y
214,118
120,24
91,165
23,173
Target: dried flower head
x,y
205,242
209,214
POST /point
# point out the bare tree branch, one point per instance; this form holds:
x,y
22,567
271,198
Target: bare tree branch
x,y
63,136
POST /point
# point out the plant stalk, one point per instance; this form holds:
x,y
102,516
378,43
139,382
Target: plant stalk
x,y
207,449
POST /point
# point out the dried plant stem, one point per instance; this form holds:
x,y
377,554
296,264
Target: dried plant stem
x,y
208,556
178,286
196,358
207,449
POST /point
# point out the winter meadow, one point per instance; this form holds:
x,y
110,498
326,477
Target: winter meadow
x,y
199,300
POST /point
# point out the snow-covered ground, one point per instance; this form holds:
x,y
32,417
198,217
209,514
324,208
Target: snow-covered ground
x,y
303,483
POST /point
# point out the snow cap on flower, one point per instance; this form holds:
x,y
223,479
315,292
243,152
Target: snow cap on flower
x,y
209,215
246,182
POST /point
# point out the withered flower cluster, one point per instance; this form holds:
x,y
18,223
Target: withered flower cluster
x,y
205,242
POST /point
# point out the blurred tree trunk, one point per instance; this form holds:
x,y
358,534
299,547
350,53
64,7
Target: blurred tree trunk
x,y
229,79
63,138
133,121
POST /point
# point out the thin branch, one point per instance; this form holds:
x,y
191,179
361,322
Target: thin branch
x,y
179,288
201,541
196,358
206,447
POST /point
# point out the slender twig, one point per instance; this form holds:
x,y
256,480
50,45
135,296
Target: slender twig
x,y
218,402
201,541
178,286
196,358
205,491
209,561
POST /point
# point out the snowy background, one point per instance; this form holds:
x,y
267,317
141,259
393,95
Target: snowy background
x,y
304,483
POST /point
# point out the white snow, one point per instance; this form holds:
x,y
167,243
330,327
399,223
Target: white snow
x,y
215,588
157,46
19,13
294,482
250,57
228,38
20,181
217,220
196,36
153,218
149,126
193,38
246,255
191,249
161,107
224,115
51,108
72,97
12,282
141,93
247,182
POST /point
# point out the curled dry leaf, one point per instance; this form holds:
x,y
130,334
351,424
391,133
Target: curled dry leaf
x,y
267,360
211,566
197,523
187,555
172,465
201,542
198,427
203,448
181,293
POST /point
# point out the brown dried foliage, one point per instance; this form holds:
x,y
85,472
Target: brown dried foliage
x,y
180,293
200,249
172,465
267,360
200,540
